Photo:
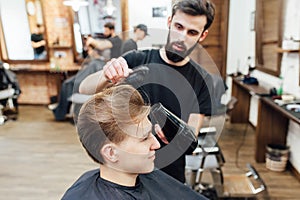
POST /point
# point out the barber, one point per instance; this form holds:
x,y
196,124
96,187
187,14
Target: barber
x,y
175,81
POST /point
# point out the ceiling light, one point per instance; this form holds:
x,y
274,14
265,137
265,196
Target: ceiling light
x,y
75,4
109,8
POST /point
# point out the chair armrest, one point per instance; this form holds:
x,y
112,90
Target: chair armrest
x,y
7,93
79,98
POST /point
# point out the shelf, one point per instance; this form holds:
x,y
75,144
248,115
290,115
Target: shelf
x,y
269,42
281,50
60,47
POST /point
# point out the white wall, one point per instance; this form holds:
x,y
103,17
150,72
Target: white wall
x,y
241,41
140,12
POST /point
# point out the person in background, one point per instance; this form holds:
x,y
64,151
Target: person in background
x,y
113,41
174,79
123,145
38,42
93,63
140,32
105,53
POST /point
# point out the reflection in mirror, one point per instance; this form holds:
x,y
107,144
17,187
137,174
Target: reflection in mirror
x,y
22,29
90,20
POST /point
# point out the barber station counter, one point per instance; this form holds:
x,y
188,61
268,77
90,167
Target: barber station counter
x,y
243,93
272,119
273,126
39,82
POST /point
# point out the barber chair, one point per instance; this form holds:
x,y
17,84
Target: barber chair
x,y
208,157
9,92
77,100
7,95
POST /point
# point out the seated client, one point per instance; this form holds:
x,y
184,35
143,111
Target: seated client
x,y
114,129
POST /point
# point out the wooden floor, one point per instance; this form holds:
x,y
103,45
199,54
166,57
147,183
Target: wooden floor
x,y
280,185
41,158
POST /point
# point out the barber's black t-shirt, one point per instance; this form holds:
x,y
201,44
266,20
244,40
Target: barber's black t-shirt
x,y
37,38
129,45
153,186
182,90
115,51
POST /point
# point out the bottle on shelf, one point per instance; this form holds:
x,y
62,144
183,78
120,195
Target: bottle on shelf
x,y
280,89
52,63
57,62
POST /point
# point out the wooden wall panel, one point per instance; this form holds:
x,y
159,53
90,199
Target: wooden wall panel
x,y
215,44
214,34
269,35
270,56
271,11
38,86
35,90
57,19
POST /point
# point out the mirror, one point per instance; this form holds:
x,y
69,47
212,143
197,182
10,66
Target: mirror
x,y
22,31
90,20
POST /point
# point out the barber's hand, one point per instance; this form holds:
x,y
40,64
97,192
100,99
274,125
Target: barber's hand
x,y
116,69
160,134
89,41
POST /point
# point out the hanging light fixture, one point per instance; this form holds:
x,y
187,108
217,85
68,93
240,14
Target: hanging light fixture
x,y
76,4
109,8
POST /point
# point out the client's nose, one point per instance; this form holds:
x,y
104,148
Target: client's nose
x,y
155,144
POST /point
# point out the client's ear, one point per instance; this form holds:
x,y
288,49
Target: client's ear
x,y
109,152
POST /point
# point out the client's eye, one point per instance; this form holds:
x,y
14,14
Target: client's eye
x,y
147,136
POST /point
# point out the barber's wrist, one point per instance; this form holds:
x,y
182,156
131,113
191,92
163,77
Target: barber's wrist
x,y
106,79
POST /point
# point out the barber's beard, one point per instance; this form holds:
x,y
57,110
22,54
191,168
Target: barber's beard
x,y
175,55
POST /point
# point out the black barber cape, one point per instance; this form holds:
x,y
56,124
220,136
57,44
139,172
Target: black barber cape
x,y
155,186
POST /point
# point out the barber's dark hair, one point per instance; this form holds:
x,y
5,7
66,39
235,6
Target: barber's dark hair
x,y
109,25
196,7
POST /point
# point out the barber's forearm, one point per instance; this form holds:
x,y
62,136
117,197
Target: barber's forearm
x,y
101,44
96,44
38,44
93,83
196,121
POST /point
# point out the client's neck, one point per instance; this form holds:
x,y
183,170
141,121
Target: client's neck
x,y
117,176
